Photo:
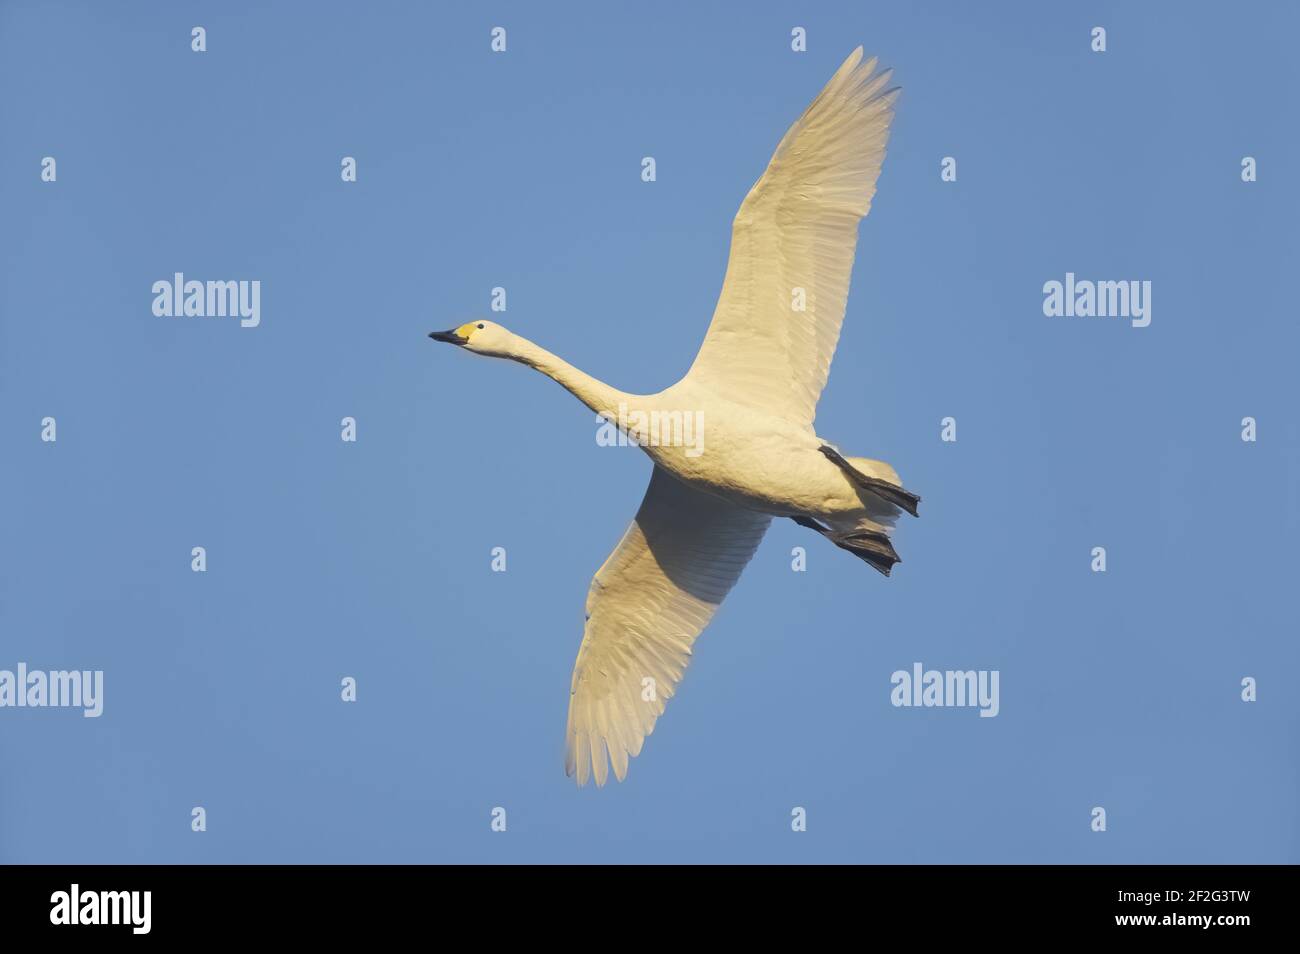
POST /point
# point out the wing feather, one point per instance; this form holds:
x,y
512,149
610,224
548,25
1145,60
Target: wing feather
x,y
646,606
792,245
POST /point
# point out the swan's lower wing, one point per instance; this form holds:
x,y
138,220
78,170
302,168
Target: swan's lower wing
x,y
655,594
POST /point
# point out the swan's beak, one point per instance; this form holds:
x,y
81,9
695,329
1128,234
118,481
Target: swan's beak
x,y
448,336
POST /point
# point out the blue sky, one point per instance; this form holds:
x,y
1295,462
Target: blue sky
x,y
522,170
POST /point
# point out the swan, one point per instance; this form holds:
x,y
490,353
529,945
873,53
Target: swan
x,y
754,388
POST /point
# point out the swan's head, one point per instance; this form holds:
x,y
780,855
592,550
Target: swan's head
x,y
481,337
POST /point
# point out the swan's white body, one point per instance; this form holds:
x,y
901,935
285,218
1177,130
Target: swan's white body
x,y
754,386
752,457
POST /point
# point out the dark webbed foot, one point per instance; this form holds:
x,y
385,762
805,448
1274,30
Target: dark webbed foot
x,y
892,493
872,546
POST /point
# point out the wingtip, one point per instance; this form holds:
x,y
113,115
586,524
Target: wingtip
x,y
584,772
887,100
850,62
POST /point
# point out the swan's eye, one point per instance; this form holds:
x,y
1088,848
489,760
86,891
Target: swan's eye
x,y
480,326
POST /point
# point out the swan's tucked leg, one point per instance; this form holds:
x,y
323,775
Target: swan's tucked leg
x,y
864,541
884,489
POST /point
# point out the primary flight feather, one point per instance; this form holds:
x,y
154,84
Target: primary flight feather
x,y
754,388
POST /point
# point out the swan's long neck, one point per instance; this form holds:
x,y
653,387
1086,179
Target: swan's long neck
x,y
597,395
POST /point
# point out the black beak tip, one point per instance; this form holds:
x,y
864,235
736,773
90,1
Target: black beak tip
x,y
448,336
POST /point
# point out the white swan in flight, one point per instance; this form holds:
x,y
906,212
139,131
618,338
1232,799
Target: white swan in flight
x,y
754,387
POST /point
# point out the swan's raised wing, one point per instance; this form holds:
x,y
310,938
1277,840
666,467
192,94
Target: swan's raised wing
x,y
792,245
654,595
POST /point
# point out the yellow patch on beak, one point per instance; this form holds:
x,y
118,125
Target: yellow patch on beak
x,y
466,330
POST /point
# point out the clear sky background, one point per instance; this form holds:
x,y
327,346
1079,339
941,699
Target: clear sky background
x,y
372,560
